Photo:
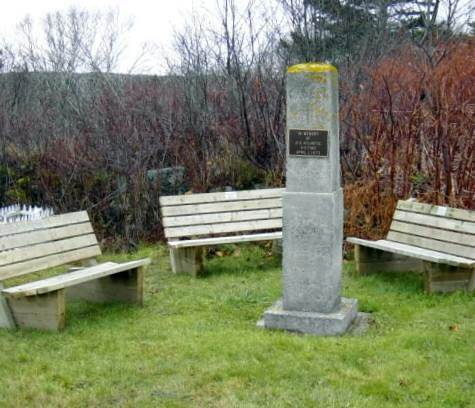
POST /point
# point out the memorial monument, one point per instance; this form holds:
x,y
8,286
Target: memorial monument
x,y
312,209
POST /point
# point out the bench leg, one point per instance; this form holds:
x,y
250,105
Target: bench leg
x,y
124,286
447,278
45,312
187,260
369,260
277,248
6,318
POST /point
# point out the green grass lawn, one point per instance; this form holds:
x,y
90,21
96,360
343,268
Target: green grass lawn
x,y
195,343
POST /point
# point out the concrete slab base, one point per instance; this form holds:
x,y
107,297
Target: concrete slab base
x,y
318,324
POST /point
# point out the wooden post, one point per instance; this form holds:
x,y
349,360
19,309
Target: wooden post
x,y
187,260
45,312
371,260
6,318
125,287
277,247
86,263
447,278
471,282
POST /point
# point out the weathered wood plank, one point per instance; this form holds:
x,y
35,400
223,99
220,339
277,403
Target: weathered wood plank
x,y
50,222
187,260
223,228
23,268
443,238
434,233
59,240
221,207
447,278
218,213
6,318
187,220
225,240
45,312
449,212
427,243
73,278
436,222
471,282
39,251
371,260
35,237
221,196
126,286
408,250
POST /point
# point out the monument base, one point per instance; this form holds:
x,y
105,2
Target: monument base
x,y
319,324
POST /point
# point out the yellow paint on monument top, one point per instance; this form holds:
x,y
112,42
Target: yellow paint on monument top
x,y
311,67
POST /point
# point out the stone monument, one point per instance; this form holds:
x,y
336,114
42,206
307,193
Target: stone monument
x,y
312,209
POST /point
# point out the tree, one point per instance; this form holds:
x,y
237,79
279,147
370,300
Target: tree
x,y
232,81
348,31
337,30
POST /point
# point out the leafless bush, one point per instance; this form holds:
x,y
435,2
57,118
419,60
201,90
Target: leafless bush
x,y
73,135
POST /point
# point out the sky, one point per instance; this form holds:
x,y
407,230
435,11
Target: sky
x,y
154,21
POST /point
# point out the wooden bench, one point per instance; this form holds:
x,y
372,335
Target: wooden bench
x,y
28,247
191,222
439,241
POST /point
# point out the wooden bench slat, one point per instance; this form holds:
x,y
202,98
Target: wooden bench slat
x,y
39,251
409,250
437,222
225,240
35,237
437,210
56,241
50,222
188,220
221,196
223,228
421,242
442,238
238,216
72,278
435,233
222,207
23,268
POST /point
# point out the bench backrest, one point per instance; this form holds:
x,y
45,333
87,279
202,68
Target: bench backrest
x,y
442,229
31,246
221,213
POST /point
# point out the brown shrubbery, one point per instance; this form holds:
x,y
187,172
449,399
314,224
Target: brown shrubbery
x,y
87,141
409,132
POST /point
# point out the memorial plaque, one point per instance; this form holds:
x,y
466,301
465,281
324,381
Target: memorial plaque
x,y
308,142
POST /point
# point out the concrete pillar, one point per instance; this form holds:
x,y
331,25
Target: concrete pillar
x,y
312,209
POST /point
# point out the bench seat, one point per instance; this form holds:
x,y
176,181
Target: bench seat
x,y
61,240
194,221
438,241
72,278
225,240
409,250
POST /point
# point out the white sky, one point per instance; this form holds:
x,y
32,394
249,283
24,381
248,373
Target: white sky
x,y
153,20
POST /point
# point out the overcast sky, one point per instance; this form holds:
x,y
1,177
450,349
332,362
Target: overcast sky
x,y
153,20
152,17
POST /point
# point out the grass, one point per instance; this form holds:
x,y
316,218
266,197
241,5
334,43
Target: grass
x,y
195,343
